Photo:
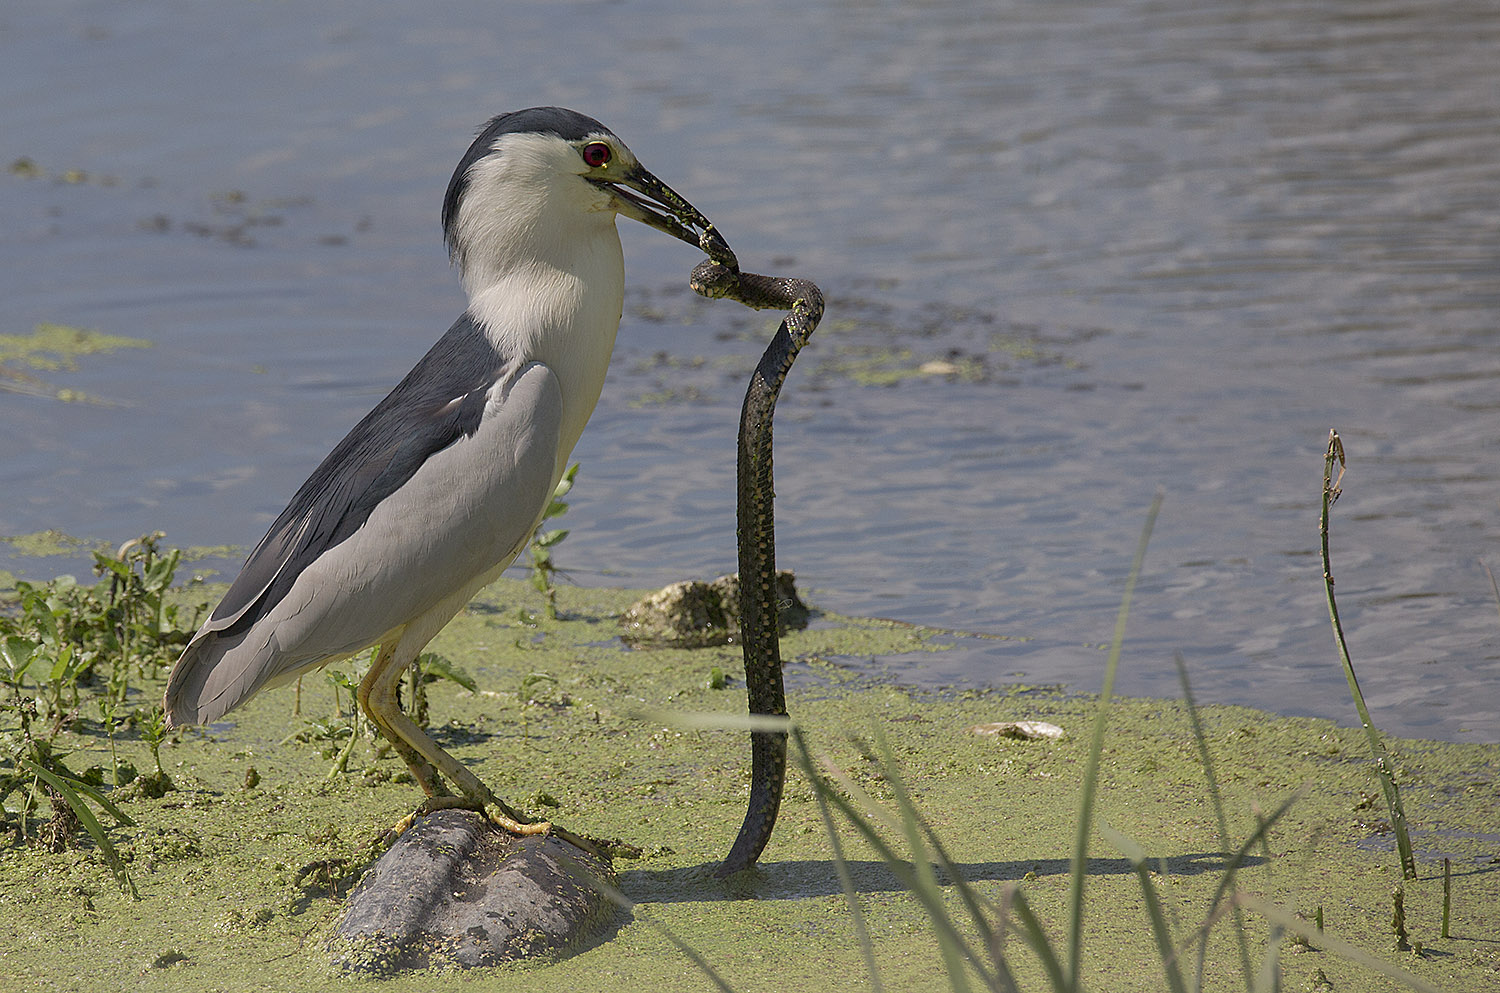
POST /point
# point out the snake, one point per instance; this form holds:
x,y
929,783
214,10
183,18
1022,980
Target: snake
x,y
720,278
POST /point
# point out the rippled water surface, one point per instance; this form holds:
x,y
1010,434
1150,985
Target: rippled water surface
x,y
1161,246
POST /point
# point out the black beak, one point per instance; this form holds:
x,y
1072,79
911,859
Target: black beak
x,y
645,198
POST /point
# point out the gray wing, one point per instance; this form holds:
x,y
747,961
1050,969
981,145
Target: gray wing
x,y
441,434
439,401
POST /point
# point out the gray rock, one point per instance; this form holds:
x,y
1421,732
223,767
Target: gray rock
x,y
454,891
694,614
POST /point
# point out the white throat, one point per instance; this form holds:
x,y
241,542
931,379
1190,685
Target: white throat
x,y
543,269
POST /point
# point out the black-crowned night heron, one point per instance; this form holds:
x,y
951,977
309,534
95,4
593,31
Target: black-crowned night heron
x,y
440,486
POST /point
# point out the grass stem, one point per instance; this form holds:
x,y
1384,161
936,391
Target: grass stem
x,y
1383,768
1096,748
1447,894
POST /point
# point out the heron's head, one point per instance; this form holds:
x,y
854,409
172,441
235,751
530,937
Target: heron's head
x,y
536,180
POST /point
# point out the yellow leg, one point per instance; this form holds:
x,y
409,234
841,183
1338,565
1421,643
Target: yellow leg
x,y
424,772
377,695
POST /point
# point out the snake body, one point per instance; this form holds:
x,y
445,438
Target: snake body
x,y
759,633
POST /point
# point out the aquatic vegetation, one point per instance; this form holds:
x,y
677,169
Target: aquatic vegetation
x,y
1383,767
65,643
53,348
542,542
932,825
972,938
337,734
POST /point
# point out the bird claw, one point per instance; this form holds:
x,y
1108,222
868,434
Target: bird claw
x,y
525,829
497,817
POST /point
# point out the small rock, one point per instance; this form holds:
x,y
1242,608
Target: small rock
x,y
1026,730
683,615
455,891
938,367
695,614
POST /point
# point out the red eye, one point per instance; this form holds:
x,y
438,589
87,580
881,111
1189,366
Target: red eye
x,y
596,154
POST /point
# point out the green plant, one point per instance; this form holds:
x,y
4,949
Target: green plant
x,y
109,716
429,667
342,730
31,768
64,636
972,942
63,643
1383,766
542,542
145,621
337,727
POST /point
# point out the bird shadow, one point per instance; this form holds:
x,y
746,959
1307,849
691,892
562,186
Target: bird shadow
x,y
804,879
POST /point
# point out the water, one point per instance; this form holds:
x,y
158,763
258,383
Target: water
x,y
1170,244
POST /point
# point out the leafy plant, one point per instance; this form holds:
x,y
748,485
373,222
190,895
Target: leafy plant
x,y
66,637
64,642
430,667
542,542
342,729
154,732
29,767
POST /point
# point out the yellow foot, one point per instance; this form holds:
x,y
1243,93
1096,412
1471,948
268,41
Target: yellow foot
x,y
497,813
506,822
399,828
504,818
427,806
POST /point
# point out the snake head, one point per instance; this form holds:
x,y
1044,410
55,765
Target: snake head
x,y
717,249
712,280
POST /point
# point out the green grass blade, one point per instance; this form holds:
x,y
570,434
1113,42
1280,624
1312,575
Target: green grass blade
x,y
1159,927
90,823
953,953
1268,979
949,937
1255,838
1096,747
841,864
976,907
619,899
1383,768
1200,738
1227,881
95,794
1329,943
1036,936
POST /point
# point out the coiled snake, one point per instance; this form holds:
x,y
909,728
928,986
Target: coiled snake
x,y
720,278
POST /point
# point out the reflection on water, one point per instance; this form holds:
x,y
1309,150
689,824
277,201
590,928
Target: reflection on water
x,y
1158,245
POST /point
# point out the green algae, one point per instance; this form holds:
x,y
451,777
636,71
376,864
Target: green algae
x,y
27,168
43,544
53,543
241,883
54,348
878,365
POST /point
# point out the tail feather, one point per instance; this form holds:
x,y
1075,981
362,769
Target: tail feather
x,y
215,674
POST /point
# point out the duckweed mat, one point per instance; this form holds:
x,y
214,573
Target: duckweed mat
x,y
242,868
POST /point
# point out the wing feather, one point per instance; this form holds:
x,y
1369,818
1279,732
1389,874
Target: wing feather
x,y
441,400
439,404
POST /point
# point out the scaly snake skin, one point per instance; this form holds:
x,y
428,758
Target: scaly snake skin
x,y
720,278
